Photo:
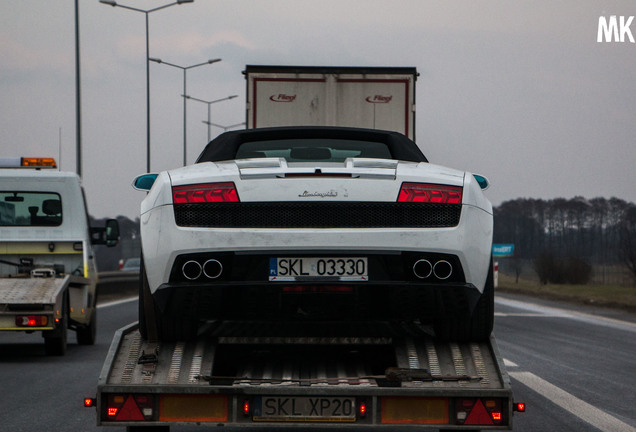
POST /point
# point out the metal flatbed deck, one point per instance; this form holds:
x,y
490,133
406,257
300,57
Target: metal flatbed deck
x,y
247,363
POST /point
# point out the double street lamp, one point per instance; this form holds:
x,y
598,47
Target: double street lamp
x,y
147,12
184,69
225,128
209,103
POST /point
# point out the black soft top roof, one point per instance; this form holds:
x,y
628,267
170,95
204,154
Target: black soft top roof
x,y
224,147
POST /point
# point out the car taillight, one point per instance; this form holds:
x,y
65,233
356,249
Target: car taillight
x,y
205,193
430,193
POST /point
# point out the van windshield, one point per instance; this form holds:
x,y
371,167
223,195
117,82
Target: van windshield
x,y
19,208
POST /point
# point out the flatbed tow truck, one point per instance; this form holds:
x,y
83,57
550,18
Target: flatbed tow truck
x,y
48,274
254,374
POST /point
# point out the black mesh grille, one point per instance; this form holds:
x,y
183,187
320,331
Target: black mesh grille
x,y
317,215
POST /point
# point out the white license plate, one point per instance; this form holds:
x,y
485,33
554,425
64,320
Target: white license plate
x,y
299,268
301,408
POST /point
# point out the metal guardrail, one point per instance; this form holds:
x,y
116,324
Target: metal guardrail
x,y
118,283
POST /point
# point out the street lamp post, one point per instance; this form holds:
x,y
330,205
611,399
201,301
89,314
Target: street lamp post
x,y
209,103
146,12
225,128
184,69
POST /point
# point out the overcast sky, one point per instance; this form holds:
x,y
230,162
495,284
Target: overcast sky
x,y
519,91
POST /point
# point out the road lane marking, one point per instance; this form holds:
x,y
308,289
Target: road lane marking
x,y
116,302
534,309
510,363
583,410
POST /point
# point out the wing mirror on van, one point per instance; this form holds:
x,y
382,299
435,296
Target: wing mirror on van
x,y
482,181
144,182
107,235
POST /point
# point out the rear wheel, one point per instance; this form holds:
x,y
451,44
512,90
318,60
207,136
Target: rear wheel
x,y
477,327
55,340
87,334
153,323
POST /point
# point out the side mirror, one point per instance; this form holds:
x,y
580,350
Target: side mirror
x,y
482,181
108,235
112,232
144,182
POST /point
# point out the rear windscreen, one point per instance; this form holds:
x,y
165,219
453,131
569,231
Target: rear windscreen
x,y
30,209
313,149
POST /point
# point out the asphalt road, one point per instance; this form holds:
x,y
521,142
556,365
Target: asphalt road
x,y
575,370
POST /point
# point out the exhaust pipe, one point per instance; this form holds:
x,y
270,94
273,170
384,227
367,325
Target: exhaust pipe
x,y
191,270
422,269
442,269
212,269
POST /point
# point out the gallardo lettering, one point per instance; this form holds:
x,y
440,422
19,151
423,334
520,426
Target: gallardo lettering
x,y
615,29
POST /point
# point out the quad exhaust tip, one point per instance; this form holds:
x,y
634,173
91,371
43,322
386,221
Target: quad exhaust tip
x,y
442,269
423,269
212,269
191,270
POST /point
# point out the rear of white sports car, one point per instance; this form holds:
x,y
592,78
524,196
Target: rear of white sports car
x,y
324,224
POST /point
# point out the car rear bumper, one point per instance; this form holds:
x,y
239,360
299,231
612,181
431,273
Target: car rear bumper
x,y
470,242
380,300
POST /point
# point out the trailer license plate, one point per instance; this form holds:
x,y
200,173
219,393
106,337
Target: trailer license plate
x,y
304,409
299,268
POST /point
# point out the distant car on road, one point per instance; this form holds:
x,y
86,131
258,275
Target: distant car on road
x,y
131,264
316,223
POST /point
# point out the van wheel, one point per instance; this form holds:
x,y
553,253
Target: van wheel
x,y
55,340
86,335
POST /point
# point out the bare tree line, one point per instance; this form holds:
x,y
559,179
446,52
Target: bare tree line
x,y
569,235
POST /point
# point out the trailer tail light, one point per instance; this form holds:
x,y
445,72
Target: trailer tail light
x,y
205,193
480,412
31,320
362,409
430,193
414,410
129,408
246,408
519,407
90,402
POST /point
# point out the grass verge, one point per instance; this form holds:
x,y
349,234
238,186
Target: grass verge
x,y
613,296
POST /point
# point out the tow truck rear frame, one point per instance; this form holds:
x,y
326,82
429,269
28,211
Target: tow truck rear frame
x,y
227,376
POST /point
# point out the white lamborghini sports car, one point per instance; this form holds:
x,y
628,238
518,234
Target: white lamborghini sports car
x,y
321,224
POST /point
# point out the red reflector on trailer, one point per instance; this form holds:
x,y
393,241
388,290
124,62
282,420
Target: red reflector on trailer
x,y
205,193
430,193
130,411
478,415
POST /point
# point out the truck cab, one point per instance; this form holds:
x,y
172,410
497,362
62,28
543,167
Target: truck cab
x,y
48,274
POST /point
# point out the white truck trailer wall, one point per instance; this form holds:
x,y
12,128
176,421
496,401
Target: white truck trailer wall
x,y
374,98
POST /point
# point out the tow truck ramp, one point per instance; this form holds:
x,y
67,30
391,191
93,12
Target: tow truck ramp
x,y
400,377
